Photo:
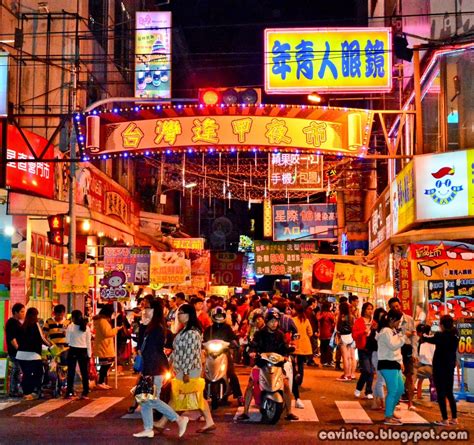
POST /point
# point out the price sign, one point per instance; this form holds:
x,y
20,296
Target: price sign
x,y
466,336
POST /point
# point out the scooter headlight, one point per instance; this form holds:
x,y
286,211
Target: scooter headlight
x,y
215,347
167,376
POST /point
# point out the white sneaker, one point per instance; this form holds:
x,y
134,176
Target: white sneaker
x,y
182,425
299,404
145,433
369,396
357,393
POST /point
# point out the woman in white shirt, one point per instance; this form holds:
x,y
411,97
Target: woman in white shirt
x,y
78,336
389,350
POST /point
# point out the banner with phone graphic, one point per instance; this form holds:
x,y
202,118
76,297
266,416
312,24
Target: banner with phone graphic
x,y
133,260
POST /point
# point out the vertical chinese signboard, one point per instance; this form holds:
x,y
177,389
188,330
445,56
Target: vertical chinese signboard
x,y
466,336
338,60
379,223
200,267
294,171
402,191
304,222
226,269
3,83
402,278
153,54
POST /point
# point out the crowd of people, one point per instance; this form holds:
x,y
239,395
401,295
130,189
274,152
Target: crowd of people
x,y
393,352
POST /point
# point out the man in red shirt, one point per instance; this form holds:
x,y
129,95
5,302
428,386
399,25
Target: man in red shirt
x,y
204,319
326,329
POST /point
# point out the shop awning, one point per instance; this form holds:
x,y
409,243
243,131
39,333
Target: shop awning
x,y
443,233
427,234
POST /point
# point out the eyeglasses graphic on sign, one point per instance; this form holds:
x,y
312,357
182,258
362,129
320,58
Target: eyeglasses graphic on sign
x,y
426,269
459,251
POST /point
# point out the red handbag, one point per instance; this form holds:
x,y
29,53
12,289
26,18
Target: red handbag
x,y
92,370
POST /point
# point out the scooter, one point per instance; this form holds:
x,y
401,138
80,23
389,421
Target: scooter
x,y
268,394
215,371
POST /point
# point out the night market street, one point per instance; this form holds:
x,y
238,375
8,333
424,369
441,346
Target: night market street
x,y
236,222
110,425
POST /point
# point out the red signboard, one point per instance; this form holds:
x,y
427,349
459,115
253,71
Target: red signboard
x,y
226,269
101,194
402,279
32,177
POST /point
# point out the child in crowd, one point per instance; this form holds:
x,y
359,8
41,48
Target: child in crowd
x,y
444,362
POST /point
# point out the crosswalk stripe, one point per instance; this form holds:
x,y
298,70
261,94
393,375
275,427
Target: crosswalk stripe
x,y
5,405
96,407
411,417
352,412
307,414
43,408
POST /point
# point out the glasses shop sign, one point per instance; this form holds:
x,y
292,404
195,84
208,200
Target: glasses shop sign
x,y
445,185
339,60
442,270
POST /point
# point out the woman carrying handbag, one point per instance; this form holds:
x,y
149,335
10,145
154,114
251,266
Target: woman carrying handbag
x,y
187,389
155,364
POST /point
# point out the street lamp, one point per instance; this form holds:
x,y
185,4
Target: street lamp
x,y
315,98
86,225
9,230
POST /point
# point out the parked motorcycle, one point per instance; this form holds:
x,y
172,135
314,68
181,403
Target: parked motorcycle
x,y
215,371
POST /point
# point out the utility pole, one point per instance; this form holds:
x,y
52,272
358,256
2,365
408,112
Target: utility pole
x,y
71,253
418,101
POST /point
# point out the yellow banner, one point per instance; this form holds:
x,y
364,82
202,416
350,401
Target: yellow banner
x,y
442,269
170,268
72,278
344,131
351,278
187,243
304,60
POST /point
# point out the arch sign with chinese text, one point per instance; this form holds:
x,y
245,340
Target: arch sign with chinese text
x,y
336,60
286,128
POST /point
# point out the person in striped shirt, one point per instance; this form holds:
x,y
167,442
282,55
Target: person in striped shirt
x,y
55,326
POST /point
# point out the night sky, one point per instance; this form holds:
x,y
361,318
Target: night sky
x,y
220,42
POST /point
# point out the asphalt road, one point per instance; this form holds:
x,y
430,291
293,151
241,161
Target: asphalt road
x,y
330,408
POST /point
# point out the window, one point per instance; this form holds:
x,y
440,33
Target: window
x,y
432,138
98,21
123,40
